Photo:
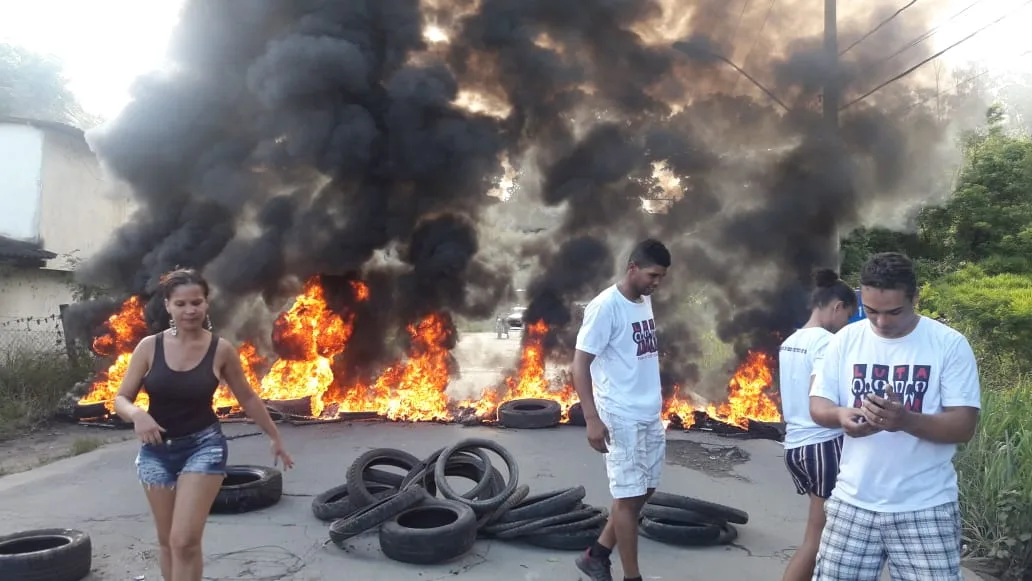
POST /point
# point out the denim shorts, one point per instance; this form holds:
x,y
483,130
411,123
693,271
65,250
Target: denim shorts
x,y
203,452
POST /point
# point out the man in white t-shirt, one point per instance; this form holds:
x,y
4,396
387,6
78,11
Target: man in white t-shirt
x,y
905,390
616,375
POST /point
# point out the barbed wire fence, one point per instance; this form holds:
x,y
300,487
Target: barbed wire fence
x,y
32,335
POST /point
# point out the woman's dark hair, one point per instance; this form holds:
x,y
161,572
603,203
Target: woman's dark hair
x,y
830,288
181,277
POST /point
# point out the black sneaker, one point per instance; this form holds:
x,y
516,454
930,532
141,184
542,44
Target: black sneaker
x,y
596,569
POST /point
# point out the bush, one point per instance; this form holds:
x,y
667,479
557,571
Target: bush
x,y
994,473
995,310
31,385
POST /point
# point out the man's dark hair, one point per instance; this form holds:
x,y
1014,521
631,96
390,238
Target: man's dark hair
x,y
650,253
890,271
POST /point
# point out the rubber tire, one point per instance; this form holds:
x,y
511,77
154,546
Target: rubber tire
x,y
544,505
337,502
576,414
684,535
482,505
68,562
429,545
375,514
711,509
530,413
680,516
376,457
569,541
263,490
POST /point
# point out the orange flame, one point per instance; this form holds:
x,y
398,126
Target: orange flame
x,y
125,329
530,380
750,396
419,383
308,336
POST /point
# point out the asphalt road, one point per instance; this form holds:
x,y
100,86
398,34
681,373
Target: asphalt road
x,y
97,492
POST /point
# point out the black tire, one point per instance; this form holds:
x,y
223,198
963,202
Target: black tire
x,y
489,518
544,505
377,457
679,516
338,503
435,532
569,541
481,505
247,488
46,555
530,413
375,514
684,535
89,411
526,527
710,509
576,414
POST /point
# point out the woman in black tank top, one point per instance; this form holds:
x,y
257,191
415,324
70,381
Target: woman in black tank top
x,y
184,451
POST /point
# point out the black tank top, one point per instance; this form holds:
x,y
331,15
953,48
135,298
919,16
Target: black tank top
x,y
181,401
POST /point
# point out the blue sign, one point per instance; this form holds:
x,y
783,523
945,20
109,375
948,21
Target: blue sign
x,y
859,314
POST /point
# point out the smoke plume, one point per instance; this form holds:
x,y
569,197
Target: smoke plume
x,y
359,140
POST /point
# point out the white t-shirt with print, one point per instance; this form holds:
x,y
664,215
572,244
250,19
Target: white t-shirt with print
x,y
931,367
621,334
798,361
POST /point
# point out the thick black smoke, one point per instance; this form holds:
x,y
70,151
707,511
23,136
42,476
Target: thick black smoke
x,y
331,137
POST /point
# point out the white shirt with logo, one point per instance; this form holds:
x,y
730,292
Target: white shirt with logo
x,y
931,367
800,357
621,334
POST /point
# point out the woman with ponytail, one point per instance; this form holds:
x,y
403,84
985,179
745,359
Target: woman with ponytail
x,y
812,452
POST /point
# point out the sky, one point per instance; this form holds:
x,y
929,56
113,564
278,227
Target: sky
x,y
105,44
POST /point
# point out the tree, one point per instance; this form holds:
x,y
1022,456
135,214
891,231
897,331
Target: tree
x,y
34,86
988,219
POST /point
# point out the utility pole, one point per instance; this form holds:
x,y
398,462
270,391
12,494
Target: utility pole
x,y
830,98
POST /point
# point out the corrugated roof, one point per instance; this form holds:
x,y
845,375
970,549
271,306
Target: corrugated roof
x,y
44,124
12,250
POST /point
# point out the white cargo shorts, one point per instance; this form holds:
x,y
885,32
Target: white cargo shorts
x,y
637,450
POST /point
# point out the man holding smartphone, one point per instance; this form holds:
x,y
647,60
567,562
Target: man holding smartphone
x,y
905,390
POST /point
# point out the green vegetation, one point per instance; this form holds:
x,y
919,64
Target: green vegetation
x,y
973,255
31,385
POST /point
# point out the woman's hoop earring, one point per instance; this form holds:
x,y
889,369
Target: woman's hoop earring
x,y
172,326
207,323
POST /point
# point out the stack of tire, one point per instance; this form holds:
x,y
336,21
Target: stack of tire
x,y
423,520
689,522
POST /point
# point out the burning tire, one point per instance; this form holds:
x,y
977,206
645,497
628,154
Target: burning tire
x,y
46,555
530,413
577,415
687,535
432,533
376,457
247,488
89,411
375,514
703,507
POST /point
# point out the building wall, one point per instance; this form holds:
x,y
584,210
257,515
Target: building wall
x,y
79,206
21,156
30,307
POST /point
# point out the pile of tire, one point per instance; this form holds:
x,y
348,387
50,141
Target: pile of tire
x,y
689,522
423,520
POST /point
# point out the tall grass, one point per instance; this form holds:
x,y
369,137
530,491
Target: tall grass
x,y
995,476
31,385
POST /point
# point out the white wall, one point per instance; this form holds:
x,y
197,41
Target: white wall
x,y
21,157
30,307
79,207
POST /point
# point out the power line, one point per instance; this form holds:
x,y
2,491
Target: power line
x,y
960,82
931,58
756,40
931,32
877,28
